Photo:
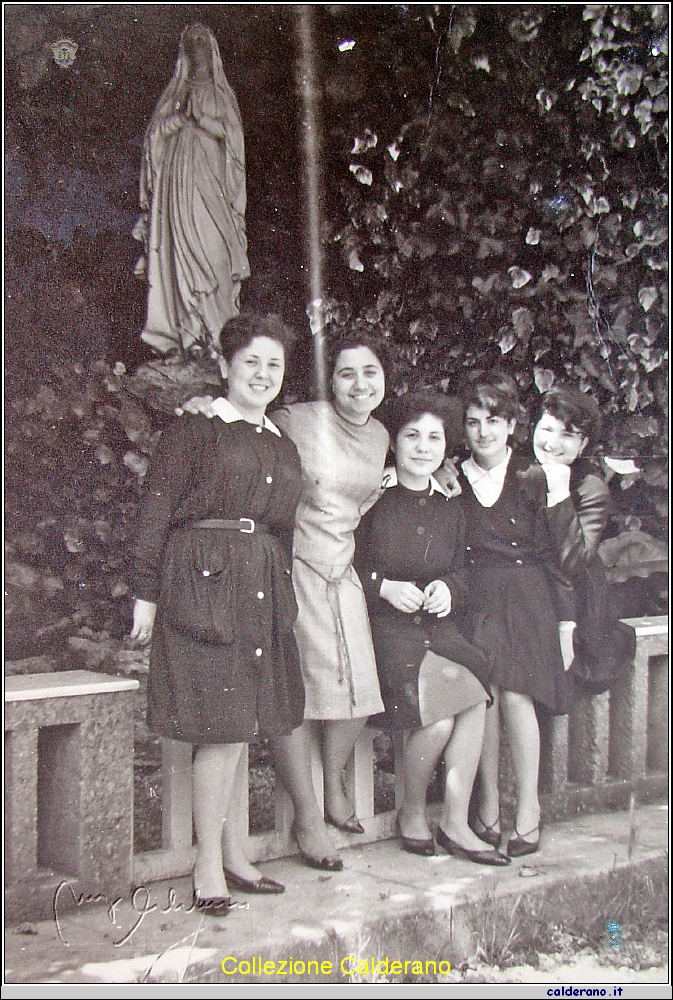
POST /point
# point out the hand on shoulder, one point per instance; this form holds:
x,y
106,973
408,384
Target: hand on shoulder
x,y
195,405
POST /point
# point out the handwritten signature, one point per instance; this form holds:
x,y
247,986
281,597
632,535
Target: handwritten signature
x,y
140,904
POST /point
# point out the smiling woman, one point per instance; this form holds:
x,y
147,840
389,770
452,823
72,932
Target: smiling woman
x,y
342,450
358,384
254,375
213,593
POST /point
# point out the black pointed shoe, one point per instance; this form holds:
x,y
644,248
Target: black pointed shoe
x,y
263,886
494,857
519,847
426,848
329,863
351,825
488,834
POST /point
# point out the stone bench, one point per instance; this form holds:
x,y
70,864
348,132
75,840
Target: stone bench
x,y
69,789
610,747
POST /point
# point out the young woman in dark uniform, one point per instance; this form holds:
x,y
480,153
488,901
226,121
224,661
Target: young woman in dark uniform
x,y
574,494
213,592
410,557
512,569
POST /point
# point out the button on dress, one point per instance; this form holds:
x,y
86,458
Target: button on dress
x,y
227,692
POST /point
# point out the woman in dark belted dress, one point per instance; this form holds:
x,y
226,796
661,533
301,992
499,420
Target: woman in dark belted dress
x,y
213,591
410,550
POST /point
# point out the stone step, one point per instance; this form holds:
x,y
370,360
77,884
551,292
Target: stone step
x,y
385,905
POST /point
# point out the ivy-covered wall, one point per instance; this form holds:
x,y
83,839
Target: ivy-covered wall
x,y
494,192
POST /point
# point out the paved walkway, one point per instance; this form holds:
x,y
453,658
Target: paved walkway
x,y
385,905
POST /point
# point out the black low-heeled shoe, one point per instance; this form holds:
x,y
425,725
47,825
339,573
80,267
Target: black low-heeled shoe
x,y
494,858
413,845
329,863
426,848
213,906
351,825
488,834
263,886
519,847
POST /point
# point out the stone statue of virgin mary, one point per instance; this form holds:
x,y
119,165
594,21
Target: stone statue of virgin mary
x,y
192,185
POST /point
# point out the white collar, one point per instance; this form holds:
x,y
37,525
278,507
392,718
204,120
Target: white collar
x,y
390,479
474,472
227,411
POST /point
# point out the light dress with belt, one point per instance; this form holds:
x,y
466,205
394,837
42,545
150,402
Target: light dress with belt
x,y
247,681
342,467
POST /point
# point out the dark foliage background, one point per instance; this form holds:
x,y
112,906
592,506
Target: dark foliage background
x,y
494,192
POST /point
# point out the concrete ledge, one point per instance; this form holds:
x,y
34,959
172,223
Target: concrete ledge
x,y
385,904
67,684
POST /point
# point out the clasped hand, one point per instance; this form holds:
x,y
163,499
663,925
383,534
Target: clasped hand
x,y
407,597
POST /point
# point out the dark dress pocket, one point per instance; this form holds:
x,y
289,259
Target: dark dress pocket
x,y
197,592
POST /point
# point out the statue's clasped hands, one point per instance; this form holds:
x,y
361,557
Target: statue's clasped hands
x,y
407,597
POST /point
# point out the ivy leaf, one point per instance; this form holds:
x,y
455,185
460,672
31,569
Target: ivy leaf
x,y
361,174
628,80
647,296
522,321
354,261
526,26
481,62
462,26
550,272
104,454
546,99
73,541
622,138
508,342
643,114
544,378
362,145
519,276
136,463
533,237
484,285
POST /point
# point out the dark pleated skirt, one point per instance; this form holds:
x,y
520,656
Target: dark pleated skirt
x,y
518,627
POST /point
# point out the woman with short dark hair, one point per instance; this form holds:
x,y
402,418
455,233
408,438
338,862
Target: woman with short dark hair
x,y
213,593
511,566
576,500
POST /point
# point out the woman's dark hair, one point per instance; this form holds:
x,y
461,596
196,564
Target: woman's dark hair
x,y
349,341
576,410
496,393
239,332
403,410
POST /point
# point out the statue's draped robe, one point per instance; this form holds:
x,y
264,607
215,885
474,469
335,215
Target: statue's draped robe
x,y
193,185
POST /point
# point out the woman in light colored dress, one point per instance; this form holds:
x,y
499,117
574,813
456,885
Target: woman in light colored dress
x,y
342,450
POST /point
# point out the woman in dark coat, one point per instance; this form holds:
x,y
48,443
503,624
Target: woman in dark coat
x,y
512,574
213,591
576,500
409,556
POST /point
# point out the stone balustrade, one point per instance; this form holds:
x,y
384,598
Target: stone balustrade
x,y
609,747
69,778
